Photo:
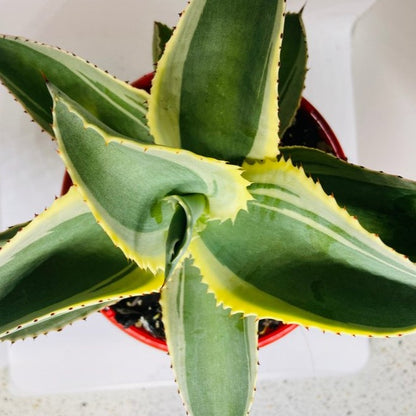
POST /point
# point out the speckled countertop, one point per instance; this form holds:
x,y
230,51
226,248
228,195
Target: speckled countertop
x,y
385,386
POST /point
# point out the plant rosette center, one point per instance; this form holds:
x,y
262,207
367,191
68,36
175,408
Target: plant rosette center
x,y
141,316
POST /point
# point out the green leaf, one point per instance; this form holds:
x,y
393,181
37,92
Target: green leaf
x,y
161,35
292,71
187,220
61,267
8,234
201,99
47,324
24,65
129,186
296,256
384,204
213,354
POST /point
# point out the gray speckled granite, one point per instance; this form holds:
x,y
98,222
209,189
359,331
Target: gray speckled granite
x,y
386,386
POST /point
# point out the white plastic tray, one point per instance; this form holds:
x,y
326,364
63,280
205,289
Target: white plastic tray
x,y
95,355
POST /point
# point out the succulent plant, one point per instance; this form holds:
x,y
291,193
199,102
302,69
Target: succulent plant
x,y
185,191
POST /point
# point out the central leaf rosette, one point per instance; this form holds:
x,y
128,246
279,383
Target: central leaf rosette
x,y
129,186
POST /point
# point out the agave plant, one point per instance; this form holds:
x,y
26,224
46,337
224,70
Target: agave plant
x,y
185,191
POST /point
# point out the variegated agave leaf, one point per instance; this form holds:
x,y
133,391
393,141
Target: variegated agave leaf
x,y
292,66
61,267
384,204
214,354
8,234
24,66
201,100
161,34
128,185
205,341
292,71
296,256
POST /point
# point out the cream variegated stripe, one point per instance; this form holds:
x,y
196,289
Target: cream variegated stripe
x,y
226,348
25,65
302,193
132,281
246,298
161,35
140,178
134,97
372,247
384,204
8,234
200,99
292,70
243,297
165,105
266,140
68,267
47,324
63,210
330,273
38,111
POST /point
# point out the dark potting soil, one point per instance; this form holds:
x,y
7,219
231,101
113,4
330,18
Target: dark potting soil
x,y
305,132
141,311
145,311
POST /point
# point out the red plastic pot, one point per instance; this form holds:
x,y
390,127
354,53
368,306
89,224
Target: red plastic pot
x,y
326,134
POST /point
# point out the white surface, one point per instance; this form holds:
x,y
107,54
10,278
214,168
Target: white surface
x,y
329,82
95,355
386,386
4,358
89,355
384,61
116,36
